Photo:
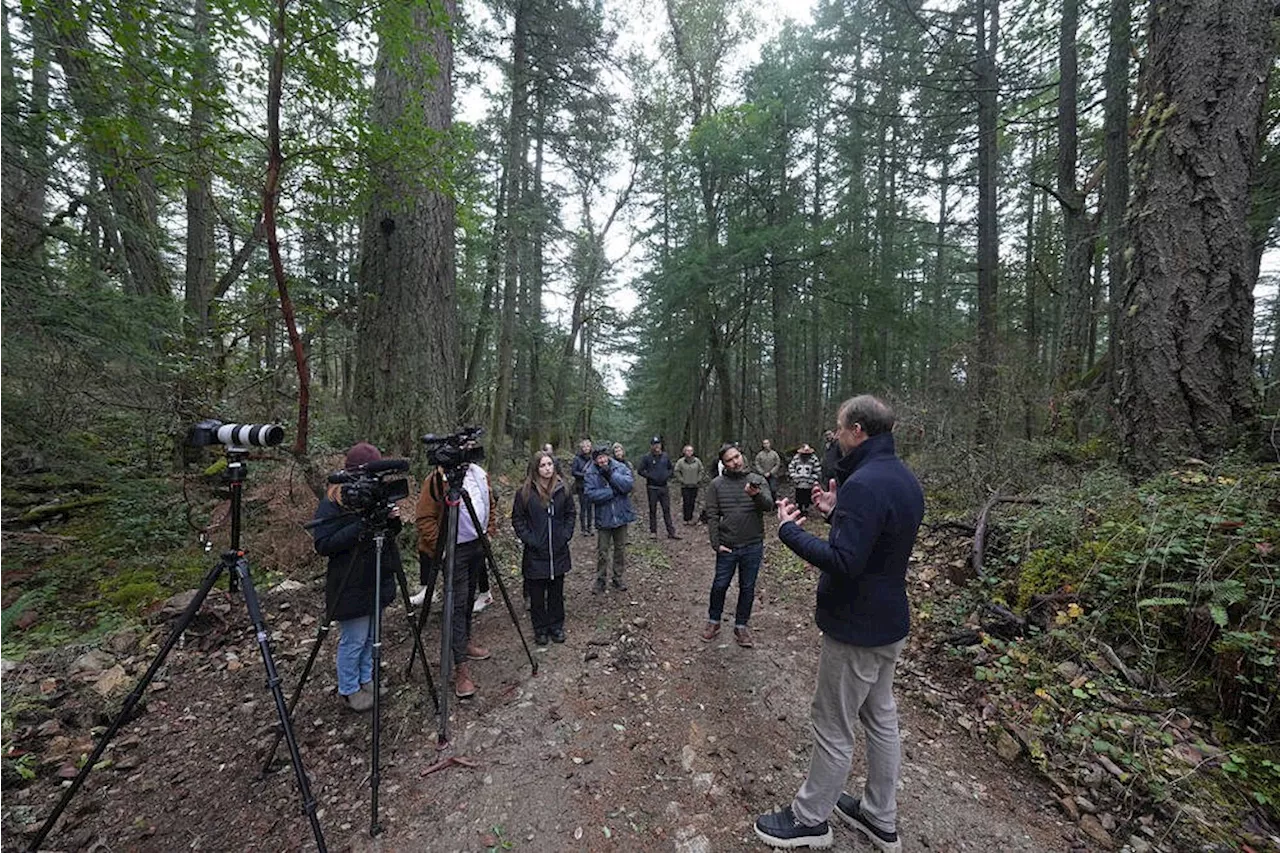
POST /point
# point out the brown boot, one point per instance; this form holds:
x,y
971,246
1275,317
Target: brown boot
x,y
475,651
463,686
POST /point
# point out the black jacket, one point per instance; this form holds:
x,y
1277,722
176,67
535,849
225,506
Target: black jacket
x,y
343,537
656,470
734,518
862,592
545,531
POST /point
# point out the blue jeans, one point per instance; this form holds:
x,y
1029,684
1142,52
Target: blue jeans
x,y
746,560
355,654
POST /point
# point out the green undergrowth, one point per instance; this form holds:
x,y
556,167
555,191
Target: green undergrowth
x,y
101,567
1151,643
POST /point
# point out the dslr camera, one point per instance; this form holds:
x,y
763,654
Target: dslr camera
x,y
371,489
454,452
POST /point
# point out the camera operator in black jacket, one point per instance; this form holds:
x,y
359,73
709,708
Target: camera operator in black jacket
x,y
346,538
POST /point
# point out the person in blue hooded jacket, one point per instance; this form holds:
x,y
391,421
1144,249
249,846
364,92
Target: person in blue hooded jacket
x,y
607,486
862,610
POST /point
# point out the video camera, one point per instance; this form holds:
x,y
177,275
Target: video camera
x,y
370,489
454,452
212,431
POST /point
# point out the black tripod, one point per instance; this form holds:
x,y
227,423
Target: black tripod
x,y
236,565
377,522
454,500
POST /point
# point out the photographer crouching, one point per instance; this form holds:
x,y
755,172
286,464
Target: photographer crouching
x,y
344,533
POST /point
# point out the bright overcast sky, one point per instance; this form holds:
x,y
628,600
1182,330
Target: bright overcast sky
x,y
645,24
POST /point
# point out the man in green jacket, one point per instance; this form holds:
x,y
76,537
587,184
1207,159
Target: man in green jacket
x,y
689,472
769,465
736,503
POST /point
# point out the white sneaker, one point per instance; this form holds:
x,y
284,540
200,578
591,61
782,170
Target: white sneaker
x,y
418,597
482,602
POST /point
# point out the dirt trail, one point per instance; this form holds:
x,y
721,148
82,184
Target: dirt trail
x,y
634,735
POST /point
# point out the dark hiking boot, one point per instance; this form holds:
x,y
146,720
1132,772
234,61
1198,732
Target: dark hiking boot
x,y
541,639
742,636
619,584
557,635
710,631
780,829
599,587
849,810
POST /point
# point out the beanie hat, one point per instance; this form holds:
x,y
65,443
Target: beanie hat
x,y
601,450
361,454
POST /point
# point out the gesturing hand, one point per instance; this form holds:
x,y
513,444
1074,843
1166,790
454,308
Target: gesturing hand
x,y
788,511
825,501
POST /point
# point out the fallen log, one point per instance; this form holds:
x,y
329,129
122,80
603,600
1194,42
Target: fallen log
x,y
44,512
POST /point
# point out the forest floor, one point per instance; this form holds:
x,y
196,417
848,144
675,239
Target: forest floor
x,y
633,735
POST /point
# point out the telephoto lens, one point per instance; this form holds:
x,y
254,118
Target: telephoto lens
x,y
251,435
235,435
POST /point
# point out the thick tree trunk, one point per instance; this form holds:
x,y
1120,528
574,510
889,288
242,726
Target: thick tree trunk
x,y
514,228
1186,339
1116,189
201,278
407,362
1076,252
984,368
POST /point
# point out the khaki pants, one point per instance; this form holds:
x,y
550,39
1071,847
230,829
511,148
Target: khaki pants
x,y
854,682
611,539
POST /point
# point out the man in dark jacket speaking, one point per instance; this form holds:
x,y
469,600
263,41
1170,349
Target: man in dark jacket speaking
x,y
862,611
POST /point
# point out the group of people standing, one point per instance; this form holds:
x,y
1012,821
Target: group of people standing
x,y
871,500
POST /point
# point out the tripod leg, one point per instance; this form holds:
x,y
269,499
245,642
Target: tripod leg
x,y
492,565
451,504
416,630
375,779
433,572
132,699
321,634
273,682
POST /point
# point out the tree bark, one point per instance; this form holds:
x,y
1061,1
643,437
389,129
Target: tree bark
x,y
1075,229
406,360
984,368
201,278
1116,188
270,201
1187,328
513,230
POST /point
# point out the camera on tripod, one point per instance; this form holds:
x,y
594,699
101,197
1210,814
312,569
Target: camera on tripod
x,y
370,489
455,452
212,431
